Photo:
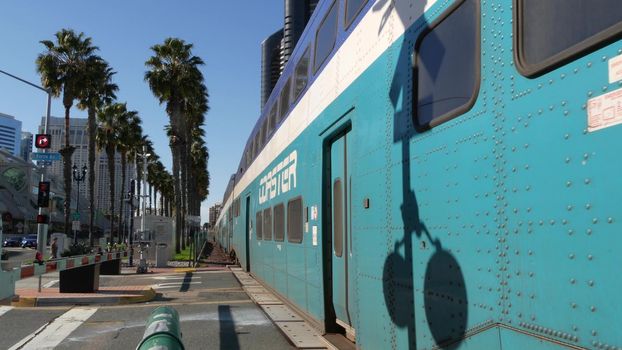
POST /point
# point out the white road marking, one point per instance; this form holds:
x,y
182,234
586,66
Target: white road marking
x,y
50,284
5,309
173,284
51,334
168,278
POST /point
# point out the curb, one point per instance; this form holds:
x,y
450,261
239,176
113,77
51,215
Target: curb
x,y
300,334
145,295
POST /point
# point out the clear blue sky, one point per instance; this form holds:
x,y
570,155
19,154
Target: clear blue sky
x,y
225,34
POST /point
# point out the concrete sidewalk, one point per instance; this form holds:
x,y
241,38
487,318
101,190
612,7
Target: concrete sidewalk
x,y
27,295
117,295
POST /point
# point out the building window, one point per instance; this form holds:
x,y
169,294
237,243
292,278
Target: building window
x,y
258,224
549,33
301,74
353,8
267,224
325,37
285,99
279,222
447,66
294,220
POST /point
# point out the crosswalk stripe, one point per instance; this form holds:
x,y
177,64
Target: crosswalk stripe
x,y
51,334
5,309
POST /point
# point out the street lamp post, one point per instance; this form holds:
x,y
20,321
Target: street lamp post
x,y
144,189
78,177
131,196
42,228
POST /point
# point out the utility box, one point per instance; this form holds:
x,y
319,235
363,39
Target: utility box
x,y
62,243
159,234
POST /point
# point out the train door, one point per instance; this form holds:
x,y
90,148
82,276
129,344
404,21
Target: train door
x,y
342,266
247,234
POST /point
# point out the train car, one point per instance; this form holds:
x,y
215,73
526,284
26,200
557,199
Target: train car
x,y
442,174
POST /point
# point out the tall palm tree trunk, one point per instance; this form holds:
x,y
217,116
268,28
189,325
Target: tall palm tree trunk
x,y
110,154
150,202
121,214
177,199
66,153
177,150
92,130
161,204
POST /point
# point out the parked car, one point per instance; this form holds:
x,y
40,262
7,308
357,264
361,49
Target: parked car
x,y
11,242
29,241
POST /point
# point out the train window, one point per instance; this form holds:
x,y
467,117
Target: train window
x,y
301,74
256,146
353,8
273,121
325,37
549,33
338,218
258,224
294,220
447,65
279,222
285,99
251,150
267,224
264,132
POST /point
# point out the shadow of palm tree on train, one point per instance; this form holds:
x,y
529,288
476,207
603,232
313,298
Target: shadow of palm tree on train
x,y
443,294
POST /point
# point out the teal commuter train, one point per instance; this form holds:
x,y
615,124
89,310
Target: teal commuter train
x,y
442,174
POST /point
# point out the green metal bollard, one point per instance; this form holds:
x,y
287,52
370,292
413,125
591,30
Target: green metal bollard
x,y
162,332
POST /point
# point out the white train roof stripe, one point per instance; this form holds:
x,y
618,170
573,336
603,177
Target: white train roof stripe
x,y
366,38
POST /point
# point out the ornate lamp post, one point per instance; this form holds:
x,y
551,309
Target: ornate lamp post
x,y
78,176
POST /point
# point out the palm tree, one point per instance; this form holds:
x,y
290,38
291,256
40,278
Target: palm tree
x,y
64,67
108,136
195,108
99,91
172,77
130,133
134,156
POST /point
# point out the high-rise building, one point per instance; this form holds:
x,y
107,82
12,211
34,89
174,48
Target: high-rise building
x,y
10,133
214,213
79,138
25,148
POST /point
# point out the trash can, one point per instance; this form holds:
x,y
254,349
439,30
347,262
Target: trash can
x,y
161,254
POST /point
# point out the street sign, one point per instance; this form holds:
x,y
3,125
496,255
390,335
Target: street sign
x,y
42,140
76,215
75,225
45,156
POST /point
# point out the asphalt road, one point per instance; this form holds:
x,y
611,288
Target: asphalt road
x,y
17,256
214,311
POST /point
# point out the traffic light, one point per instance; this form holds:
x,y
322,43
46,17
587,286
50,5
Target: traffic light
x,y
43,200
42,219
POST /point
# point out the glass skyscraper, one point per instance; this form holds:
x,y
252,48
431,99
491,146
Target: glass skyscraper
x,y
10,133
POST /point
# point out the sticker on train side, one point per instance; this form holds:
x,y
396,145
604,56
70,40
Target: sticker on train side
x,y
281,179
604,111
615,69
